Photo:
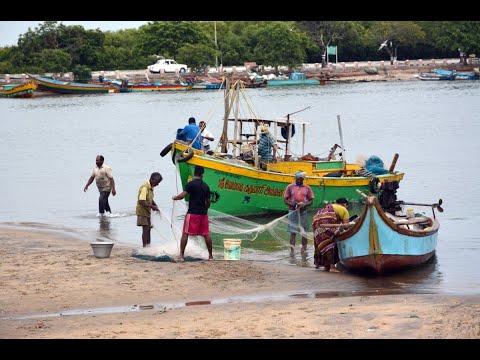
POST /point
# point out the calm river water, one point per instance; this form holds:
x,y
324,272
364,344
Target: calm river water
x,y
48,148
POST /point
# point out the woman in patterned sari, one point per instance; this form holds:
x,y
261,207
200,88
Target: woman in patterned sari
x,y
326,254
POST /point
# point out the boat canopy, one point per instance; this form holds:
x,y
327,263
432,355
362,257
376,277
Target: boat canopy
x,y
279,122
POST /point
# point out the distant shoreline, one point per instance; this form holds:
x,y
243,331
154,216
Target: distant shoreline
x,y
335,73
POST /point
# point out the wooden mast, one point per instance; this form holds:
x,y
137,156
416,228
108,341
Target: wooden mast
x,y
235,126
224,137
344,164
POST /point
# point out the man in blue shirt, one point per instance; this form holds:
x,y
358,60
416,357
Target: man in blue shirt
x,y
265,144
191,133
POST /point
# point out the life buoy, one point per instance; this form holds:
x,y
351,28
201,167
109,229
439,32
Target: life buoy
x,y
166,150
373,183
181,158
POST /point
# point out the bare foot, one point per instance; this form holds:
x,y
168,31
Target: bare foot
x,y
210,258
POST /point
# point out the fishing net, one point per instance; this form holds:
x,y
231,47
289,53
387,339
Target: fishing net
x,y
262,234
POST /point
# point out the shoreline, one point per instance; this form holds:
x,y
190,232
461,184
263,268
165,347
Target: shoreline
x,y
46,273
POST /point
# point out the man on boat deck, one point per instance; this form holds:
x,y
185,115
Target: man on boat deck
x,y
298,196
326,253
191,133
265,144
206,135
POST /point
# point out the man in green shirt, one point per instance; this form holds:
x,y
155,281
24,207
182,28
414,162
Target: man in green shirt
x,y
145,204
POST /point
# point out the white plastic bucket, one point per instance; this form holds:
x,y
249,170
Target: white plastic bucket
x,y
231,249
102,249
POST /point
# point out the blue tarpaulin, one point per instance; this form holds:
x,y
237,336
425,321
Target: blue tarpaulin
x,y
375,165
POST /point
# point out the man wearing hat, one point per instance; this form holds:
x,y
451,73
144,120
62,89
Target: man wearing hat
x,y
298,196
266,143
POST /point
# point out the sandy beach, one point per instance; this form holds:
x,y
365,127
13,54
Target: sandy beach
x,y
47,274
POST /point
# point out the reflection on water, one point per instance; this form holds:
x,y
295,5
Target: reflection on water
x,y
104,228
419,279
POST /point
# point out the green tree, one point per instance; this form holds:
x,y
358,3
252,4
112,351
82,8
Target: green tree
x,y
197,57
279,44
6,65
82,73
166,37
45,36
324,33
51,60
461,36
389,35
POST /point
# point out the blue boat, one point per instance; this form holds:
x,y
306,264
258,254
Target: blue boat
x,y
295,79
467,76
436,76
381,242
458,75
206,85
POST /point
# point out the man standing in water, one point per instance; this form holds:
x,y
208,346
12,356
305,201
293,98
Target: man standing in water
x,y
196,219
104,179
145,205
298,196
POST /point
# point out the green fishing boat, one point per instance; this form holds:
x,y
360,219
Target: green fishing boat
x,y
242,185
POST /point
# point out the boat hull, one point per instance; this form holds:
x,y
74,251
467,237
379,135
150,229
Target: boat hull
x,y
243,190
293,82
376,244
20,91
68,87
164,87
207,86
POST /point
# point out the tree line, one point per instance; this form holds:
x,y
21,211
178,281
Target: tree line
x,y
55,47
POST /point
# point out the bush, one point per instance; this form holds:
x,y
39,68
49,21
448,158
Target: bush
x,y
82,73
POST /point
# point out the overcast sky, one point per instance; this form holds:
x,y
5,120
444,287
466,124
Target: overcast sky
x,y
11,30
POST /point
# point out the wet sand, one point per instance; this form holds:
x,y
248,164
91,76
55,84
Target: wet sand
x,y
47,274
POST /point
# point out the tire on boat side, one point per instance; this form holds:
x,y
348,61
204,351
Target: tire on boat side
x,y
181,158
166,150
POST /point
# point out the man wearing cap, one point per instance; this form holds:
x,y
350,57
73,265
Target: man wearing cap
x,y
326,253
298,196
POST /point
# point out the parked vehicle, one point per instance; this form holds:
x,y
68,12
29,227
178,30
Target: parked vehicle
x,y
167,65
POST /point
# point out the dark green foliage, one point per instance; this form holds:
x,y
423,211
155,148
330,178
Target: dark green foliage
x,y
82,73
55,47
54,60
198,57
